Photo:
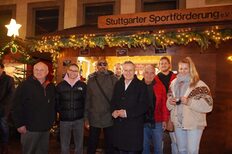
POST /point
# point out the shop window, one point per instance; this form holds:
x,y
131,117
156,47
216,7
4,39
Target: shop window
x,y
5,16
44,17
158,5
92,12
46,20
6,13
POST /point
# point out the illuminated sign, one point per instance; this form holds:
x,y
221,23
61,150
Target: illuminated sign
x,y
182,16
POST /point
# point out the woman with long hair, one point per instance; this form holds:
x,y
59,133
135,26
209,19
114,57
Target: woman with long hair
x,y
189,99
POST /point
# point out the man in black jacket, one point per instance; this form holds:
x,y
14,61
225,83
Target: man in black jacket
x,y
34,110
6,93
128,109
71,94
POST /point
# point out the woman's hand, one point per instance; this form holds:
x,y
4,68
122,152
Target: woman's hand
x,y
172,101
184,100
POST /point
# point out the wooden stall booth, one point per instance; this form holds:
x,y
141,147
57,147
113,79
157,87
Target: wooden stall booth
x,y
204,34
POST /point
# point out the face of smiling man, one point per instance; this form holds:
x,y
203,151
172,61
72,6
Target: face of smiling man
x,y
40,71
128,71
102,65
164,66
73,72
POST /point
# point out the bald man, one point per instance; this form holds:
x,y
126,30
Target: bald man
x,y
34,110
118,70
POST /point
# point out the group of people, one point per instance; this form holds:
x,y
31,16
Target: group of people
x,y
132,113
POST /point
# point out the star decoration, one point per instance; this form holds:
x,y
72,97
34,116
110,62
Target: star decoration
x,y
13,28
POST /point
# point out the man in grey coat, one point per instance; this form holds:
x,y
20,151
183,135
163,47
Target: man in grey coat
x,y
97,110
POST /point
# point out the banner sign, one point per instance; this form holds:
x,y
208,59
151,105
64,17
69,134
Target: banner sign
x,y
182,16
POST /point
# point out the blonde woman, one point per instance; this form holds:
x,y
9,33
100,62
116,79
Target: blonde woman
x,y
189,100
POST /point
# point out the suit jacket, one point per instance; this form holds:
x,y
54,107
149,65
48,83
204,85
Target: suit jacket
x,y
128,132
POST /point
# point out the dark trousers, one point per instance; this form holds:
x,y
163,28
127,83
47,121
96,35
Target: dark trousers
x,y
66,129
127,152
35,142
94,134
4,130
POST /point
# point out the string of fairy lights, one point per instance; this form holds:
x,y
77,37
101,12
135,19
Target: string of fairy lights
x,y
160,39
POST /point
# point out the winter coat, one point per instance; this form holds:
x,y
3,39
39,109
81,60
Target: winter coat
x,y
70,100
34,105
149,116
161,113
6,93
97,109
199,103
128,132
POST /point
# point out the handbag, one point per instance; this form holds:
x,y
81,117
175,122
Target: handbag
x,y
169,125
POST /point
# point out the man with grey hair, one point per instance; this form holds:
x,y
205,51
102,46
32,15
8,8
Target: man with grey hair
x,y
128,107
34,110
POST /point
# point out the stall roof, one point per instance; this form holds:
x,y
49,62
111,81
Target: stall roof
x,y
93,29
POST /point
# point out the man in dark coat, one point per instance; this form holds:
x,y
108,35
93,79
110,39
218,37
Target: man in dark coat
x,y
100,87
128,109
34,110
6,93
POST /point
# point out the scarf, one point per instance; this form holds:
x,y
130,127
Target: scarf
x,y
180,88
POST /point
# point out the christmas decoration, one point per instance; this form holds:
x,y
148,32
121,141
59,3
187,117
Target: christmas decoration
x,y
13,28
143,39
160,39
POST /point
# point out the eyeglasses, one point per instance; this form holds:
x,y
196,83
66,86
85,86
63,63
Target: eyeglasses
x,y
102,64
73,70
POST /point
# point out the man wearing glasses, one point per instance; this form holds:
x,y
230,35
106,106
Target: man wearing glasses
x,y
71,94
97,110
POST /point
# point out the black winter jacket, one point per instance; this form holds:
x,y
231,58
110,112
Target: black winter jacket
x,y
70,100
34,105
6,93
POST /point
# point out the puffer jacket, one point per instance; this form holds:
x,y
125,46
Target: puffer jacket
x,y
70,100
199,103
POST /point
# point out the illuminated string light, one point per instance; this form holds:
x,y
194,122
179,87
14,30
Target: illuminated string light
x,y
143,39
229,58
